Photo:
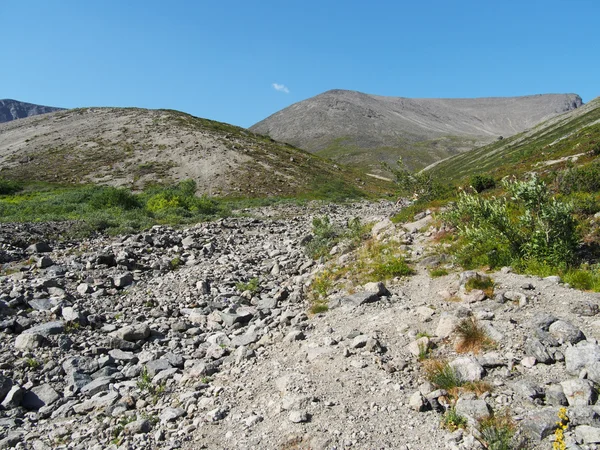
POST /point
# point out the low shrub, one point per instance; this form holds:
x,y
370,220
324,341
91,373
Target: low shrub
x,y
497,432
482,182
442,375
452,421
8,187
472,337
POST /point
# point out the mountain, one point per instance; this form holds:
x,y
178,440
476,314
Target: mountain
x,y
363,130
138,147
569,138
13,109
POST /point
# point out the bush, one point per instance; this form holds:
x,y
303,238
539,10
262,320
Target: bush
x,y
110,197
472,337
482,182
579,179
530,225
422,185
9,187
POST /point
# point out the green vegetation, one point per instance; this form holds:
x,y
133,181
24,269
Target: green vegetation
x,y
109,209
452,421
530,225
32,363
498,431
442,375
485,284
472,337
326,235
438,272
482,182
8,187
252,286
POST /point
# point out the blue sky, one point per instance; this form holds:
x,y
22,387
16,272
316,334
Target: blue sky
x,y
222,59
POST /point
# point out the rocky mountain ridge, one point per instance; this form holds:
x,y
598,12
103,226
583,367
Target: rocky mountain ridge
x,y
160,340
14,109
357,128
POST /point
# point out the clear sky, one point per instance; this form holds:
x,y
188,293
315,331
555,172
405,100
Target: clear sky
x,y
240,61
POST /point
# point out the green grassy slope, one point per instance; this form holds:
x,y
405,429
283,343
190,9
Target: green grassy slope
x,y
549,146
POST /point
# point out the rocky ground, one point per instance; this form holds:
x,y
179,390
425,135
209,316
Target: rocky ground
x,y
150,341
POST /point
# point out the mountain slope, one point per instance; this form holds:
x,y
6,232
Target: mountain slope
x,y
550,145
359,129
136,147
13,109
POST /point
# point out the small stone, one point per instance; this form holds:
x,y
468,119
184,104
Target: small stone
x,y
298,416
141,426
467,368
39,396
580,355
170,414
28,341
123,280
44,262
539,424
40,247
473,410
133,332
417,402
419,346
585,308
12,399
528,361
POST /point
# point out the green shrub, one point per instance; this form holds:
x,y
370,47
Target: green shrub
x,y
442,375
438,272
482,182
498,431
252,286
422,185
9,187
530,225
453,421
110,197
580,179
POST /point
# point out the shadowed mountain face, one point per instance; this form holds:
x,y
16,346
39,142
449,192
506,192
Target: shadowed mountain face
x,y
363,130
136,147
13,109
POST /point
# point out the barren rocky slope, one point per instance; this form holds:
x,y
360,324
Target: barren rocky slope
x,y
13,109
357,128
147,341
134,147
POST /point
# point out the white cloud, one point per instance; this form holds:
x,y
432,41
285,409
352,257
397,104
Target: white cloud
x,y
281,88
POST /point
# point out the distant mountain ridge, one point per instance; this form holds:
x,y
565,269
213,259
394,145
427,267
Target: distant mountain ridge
x,y
14,109
364,130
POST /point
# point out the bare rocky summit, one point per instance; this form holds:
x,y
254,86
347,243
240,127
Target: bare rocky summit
x,y
14,109
353,127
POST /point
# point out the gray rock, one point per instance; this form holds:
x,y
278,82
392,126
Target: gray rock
x,y
473,410
44,262
77,380
527,389
13,398
41,304
580,355
40,247
133,332
47,329
579,392
140,426
39,396
585,308
298,416
446,325
555,395
123,280
419,346
539,424
157,365
101,384
6,385
587,434
535,348
377,287
360,298
583,415
71,315
417,402
593,371
467,368
85,288
28,341
566,332
11,440
120,355
170,414
80,364
100,400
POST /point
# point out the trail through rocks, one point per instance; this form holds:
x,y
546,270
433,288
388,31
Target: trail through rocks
x,y
150,341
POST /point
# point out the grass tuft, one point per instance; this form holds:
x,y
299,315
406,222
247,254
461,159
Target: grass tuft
x,y
472,337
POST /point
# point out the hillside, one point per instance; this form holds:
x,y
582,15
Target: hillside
x,y
363,130
13,109
137,147
549,146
